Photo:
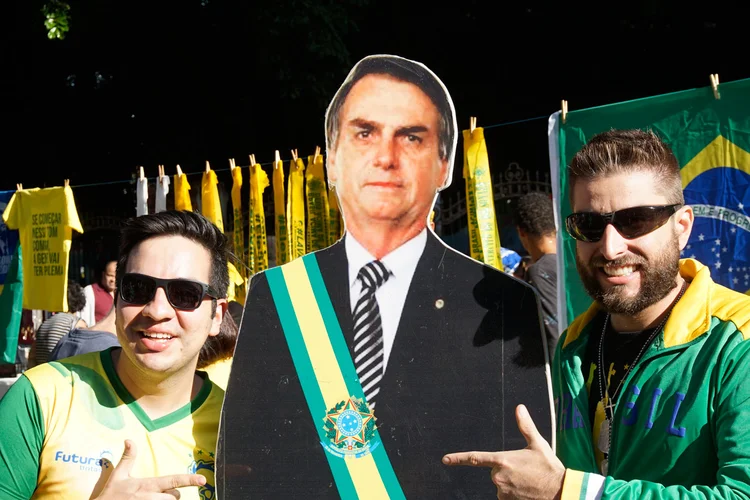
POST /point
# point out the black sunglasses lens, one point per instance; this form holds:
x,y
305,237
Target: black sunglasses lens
x,y
637,221
185,294
137,289
587,226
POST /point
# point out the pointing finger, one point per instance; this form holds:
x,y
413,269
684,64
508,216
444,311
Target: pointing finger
x,y
165,483
473,458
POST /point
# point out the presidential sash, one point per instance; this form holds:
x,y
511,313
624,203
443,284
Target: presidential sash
x,y
345,424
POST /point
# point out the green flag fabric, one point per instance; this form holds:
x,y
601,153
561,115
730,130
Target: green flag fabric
x,y
11,307
710,137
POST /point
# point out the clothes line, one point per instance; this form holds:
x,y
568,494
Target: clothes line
x,y
270,163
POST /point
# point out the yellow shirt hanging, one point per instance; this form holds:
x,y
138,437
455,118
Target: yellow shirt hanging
x,y
211,208
45,219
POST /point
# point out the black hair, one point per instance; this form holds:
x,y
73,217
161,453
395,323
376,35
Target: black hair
x,y
197,228
535,214
76,297
405,71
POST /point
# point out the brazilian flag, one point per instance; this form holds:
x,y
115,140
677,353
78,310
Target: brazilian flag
x,y
710,135
11,308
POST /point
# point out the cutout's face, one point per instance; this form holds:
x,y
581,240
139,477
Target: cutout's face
x,y
386,163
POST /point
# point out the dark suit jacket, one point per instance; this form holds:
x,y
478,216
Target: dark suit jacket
x,y
453,380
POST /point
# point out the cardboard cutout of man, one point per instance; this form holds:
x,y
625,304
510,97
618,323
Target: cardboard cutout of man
x,y
360,365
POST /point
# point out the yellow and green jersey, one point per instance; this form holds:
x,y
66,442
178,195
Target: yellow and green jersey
x,y
65,424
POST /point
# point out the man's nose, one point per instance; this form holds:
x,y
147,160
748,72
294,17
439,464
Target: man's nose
x,y
159,307
613,244
385,156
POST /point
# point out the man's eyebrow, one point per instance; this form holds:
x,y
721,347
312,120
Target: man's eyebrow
x,y
361,123
413,129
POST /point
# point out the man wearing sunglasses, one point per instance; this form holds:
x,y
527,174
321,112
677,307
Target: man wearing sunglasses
x,y
667,416
137,419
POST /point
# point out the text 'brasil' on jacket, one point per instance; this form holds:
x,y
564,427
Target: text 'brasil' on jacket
x,y
681,427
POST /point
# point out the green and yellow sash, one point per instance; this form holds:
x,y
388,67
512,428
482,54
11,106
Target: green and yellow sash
x,y
329,380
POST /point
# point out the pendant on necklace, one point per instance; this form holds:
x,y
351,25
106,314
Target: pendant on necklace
x,y
605,466
603,441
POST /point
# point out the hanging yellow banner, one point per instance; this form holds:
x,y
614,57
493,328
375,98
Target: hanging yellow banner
x,y
182,193
295,210
335,225
211,207
235,284
280,222
317,204
484,239
250,254
238,234
258,184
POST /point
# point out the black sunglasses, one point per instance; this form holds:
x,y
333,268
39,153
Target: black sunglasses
x,y
629,222
140,289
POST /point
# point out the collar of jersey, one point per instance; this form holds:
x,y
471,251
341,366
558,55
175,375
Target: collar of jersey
x,y
692,314
140,414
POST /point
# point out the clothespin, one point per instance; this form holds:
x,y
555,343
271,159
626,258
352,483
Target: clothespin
x,y
252,160
715,85
564,111
232,166
294,154
179,171
317,153
208,167
19,187
141,173
277,159
472,124
66,182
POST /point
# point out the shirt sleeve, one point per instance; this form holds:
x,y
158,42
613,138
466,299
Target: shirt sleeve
x,y
21,444
10,214
71,212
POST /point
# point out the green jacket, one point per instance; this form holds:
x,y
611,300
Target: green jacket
x,y
682,422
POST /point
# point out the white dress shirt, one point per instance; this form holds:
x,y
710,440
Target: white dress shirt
x,y
391,295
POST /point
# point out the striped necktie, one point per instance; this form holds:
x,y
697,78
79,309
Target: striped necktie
x,y
368,330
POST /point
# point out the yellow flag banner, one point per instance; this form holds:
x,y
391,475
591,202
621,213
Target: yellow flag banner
x,y
296,208
211,207
335,226
238,234
250,254
281,226
182,193
484,240
235,283
317,204
258,184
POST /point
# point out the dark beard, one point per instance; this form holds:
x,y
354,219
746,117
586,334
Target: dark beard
x,y
658,278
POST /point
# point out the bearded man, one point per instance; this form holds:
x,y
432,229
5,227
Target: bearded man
x,y
651,382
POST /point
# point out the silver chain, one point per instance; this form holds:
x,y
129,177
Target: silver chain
x,y
602,390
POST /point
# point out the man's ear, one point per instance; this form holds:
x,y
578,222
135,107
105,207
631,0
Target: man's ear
x,y
684,219
444,178
221,310
331,168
